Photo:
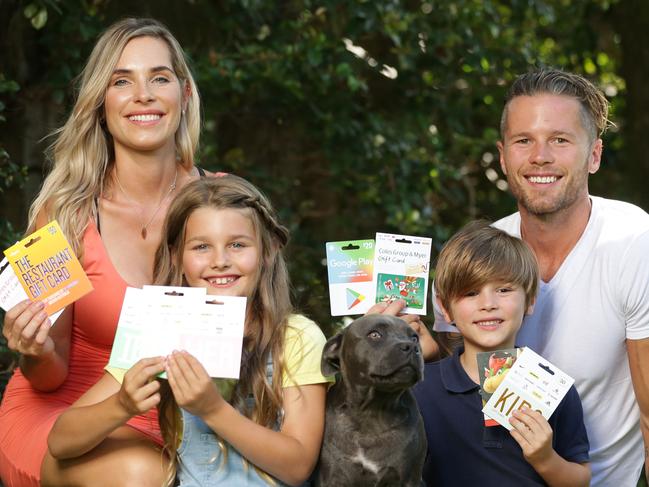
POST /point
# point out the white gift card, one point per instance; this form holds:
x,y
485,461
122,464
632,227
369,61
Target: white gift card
x,y
532,382
157,320
11,291
401,267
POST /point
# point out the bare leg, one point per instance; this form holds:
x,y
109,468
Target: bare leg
x,y
126,458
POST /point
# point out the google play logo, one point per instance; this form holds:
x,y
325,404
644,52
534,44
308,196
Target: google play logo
x,y
353,298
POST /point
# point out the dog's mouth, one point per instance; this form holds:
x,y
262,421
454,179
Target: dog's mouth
x,y
403,377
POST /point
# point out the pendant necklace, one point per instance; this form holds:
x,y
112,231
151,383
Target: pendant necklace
x,y
172,186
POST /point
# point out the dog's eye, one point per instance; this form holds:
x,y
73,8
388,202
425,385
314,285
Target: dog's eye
x,y
374,335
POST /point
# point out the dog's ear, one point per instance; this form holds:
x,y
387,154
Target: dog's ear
x,y
330,363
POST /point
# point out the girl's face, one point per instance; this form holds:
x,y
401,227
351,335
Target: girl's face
x,y
144,99
221,251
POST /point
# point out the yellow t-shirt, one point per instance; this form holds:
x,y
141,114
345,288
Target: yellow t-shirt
x,y
303,346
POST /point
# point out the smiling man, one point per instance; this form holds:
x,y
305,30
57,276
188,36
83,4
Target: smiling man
x,y
592,313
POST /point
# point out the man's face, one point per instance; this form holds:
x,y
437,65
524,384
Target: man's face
x,y
546,153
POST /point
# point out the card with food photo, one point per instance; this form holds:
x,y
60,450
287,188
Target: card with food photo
x,y
493,367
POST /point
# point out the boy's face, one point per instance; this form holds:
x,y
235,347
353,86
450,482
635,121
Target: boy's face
x,y
489,317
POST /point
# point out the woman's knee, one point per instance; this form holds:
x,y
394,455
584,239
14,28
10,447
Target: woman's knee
x,y
140,464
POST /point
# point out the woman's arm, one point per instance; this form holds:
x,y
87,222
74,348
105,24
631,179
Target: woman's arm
x,y
44,346
289,454
105,407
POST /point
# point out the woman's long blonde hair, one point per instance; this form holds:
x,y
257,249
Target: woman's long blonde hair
x,y
269,304
82,152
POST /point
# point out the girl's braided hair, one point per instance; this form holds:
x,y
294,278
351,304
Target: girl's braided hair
x,y
268,306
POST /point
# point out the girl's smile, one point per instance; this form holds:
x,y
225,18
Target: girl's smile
x,y
221,251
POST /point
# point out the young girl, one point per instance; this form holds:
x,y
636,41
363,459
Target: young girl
x,y
222,234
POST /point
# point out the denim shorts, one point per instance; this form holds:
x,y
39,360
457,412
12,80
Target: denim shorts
x,y
202,464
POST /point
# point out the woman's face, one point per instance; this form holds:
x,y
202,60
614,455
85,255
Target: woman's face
x,y
144,99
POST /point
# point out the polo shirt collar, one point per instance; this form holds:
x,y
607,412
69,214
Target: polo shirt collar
x,y
454,378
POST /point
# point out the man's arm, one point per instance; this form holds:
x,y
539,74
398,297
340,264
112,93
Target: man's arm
x,y
638,351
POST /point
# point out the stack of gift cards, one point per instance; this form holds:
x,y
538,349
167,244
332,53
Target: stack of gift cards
x,y
365,272
531,382
157,320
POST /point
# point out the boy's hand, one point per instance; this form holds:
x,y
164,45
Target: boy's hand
x,y
191,385
139,391
534,435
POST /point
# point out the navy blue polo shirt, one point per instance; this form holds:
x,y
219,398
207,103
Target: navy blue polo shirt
x,y
462,451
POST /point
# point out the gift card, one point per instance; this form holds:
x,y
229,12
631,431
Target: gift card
x,y
401,266
350,269
493,367
157,320
532,382
11,292
47,268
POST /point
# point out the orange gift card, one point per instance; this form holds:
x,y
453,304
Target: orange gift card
x,y
47,268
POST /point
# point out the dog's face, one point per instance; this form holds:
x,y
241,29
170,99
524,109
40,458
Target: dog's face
x,y
380,351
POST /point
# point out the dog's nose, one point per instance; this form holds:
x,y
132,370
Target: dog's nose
x,y
405,347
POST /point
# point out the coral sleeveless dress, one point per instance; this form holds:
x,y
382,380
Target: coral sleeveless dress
x,y
27,415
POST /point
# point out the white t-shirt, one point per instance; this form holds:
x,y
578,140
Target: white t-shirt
x,y
598,298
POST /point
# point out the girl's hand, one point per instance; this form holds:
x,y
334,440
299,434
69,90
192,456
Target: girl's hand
x,y
26,328
534,435
139,390
191,385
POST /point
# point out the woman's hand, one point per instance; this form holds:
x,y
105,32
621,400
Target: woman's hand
x,y
140,389
191,385
27,327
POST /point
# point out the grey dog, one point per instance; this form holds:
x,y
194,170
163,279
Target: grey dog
x,y
374,434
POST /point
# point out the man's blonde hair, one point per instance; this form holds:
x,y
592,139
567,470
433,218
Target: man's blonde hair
x,y
479,254
593,103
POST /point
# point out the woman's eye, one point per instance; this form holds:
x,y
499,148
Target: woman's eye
x,y
120,82
161,79
237,245
374,335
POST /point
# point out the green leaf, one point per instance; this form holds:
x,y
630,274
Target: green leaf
x,y
40,19
31,10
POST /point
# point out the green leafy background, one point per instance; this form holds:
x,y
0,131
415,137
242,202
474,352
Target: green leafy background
x,y
353,116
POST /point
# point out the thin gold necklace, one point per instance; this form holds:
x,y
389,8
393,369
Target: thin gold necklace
x,y
172,186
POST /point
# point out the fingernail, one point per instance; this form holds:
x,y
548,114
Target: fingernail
x,y
40,304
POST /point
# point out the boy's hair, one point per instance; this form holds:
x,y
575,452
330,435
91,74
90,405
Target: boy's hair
x,y
269,304
594,105
479,254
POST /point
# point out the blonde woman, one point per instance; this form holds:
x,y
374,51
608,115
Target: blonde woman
x,y
126,149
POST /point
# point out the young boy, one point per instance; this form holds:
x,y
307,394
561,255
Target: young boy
x,y
486,281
